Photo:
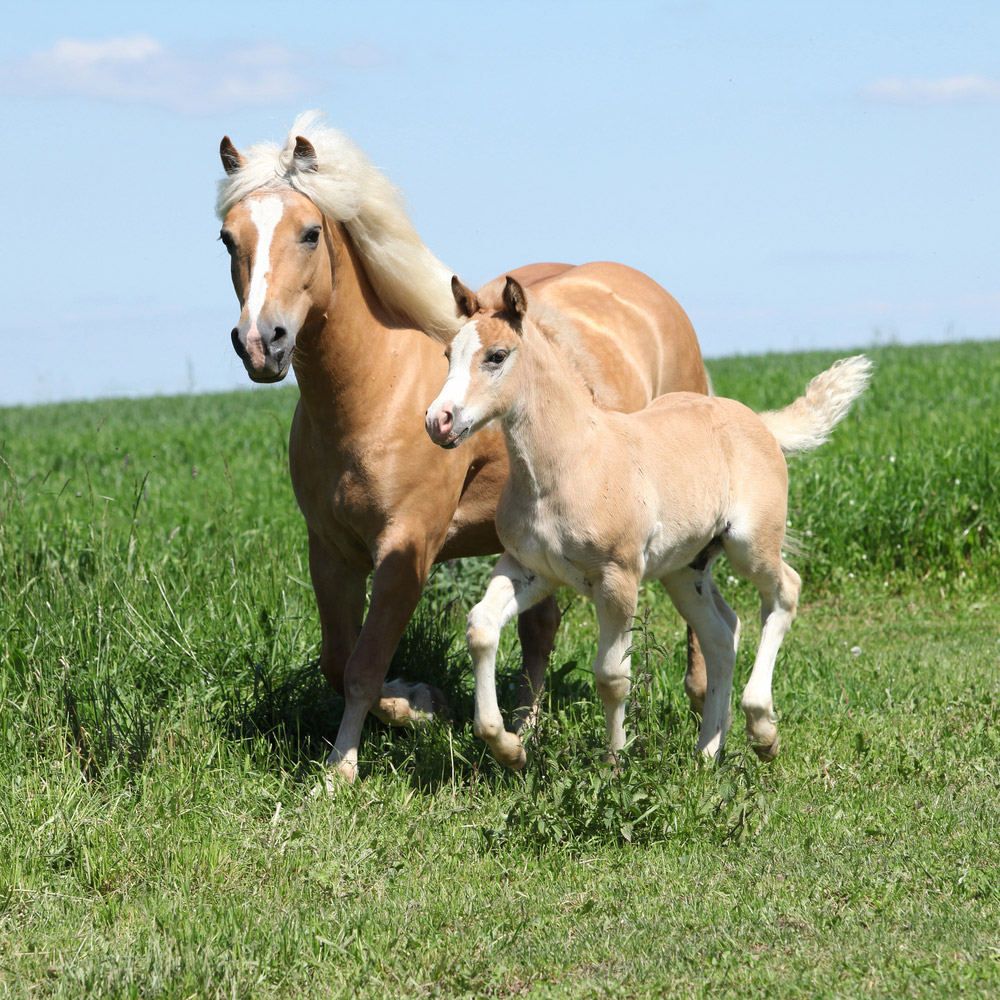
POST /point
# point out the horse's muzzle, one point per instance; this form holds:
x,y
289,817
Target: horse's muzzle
x,y
266,359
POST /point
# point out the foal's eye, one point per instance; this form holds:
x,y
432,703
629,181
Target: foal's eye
x,y
227,241
311,236
497,357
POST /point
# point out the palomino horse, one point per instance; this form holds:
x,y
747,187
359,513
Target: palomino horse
x,y
333,280
599,501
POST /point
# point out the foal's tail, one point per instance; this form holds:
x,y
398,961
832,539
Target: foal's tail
x,y
807,422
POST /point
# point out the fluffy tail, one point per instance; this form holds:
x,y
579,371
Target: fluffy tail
x,y
807,422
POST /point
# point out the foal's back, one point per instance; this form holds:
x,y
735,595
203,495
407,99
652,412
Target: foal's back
x,y
694,437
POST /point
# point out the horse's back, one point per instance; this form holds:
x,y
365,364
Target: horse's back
x,y
627,336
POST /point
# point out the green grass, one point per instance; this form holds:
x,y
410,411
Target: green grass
x,y
163,724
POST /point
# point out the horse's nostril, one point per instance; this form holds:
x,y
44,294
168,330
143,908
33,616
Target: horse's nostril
x,y
280,333
235,335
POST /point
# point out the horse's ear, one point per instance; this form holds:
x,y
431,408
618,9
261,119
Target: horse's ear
x,y
232,159
465,298
514,300
305,154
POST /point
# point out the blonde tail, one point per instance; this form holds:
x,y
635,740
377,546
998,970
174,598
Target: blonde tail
x,y
807,422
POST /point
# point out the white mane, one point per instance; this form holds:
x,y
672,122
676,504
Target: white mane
x,y
346,187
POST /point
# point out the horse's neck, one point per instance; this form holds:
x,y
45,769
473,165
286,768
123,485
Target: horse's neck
x,y
550,430
349,343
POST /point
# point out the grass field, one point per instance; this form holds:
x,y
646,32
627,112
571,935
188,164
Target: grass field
x,y
163,724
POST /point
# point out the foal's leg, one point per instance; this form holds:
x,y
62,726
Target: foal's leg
x,y
512,589
536,631
779,595
614,600
717,627
694,677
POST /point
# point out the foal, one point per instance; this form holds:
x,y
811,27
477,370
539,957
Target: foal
x,y
599,501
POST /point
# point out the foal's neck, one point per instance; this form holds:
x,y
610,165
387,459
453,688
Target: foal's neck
x,y
550,429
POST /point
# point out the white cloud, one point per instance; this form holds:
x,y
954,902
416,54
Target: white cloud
x,y
968,89
139,69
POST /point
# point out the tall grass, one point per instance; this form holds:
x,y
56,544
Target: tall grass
x,y
163,724
906,488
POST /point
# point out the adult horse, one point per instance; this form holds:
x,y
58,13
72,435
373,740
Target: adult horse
x,y
333,280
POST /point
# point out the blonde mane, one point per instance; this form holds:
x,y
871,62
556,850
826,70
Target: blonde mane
x,y
346,187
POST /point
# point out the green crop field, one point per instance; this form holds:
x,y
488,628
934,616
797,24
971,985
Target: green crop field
x,y
164,828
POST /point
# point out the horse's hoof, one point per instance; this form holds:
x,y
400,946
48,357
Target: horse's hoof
x,y
510,752
412,705
337,774
762,730
769,752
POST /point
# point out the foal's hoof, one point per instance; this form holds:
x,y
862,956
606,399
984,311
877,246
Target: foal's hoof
x,y
769,752
412,705
509,751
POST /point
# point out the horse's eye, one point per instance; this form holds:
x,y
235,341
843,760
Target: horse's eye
x,y
311,236
227,241
497,357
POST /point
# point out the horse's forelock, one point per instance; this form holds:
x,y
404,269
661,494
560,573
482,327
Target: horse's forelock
x,y
347,187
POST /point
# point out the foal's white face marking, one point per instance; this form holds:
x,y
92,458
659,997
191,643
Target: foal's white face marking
x,y
448,420
265,213
463,349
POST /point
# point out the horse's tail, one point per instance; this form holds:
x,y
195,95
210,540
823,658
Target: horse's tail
x,y
808,421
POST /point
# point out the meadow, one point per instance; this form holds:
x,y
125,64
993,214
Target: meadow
x,y
164,828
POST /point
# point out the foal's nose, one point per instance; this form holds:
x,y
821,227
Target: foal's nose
x,y
439,420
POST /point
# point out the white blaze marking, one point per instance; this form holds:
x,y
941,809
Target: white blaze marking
x,y
463,350
265,214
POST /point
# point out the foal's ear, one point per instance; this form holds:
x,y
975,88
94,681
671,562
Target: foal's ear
x,y
514,300
232,159
305,154
465,298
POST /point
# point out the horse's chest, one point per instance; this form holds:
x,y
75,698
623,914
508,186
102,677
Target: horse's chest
x,y
550,544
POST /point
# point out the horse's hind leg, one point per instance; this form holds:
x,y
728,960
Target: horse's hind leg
x,y
512,589
695,681
779,595
536,630
717,627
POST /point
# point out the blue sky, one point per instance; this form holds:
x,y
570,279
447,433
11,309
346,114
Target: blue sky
x,y
797,175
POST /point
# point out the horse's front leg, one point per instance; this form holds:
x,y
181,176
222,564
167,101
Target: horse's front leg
x,y
396,587
615,601
536,631
340,597
512,589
